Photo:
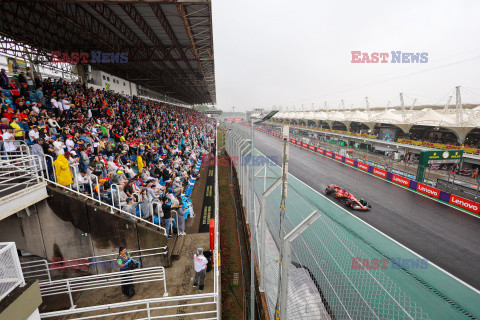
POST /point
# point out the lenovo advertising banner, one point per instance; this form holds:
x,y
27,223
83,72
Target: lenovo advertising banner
x,y
380,173
432,192
362,166
350,161
401,180
465,204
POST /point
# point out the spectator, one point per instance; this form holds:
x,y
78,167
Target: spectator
x,y
40,96
62,169
59,146
3,79
200,266
21,77
167,211
69,143
182,210
131,208
33,134
8,141
37,149
24,91
17,129
124,260
82,181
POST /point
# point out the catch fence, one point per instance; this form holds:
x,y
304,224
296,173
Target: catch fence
x,y
341,268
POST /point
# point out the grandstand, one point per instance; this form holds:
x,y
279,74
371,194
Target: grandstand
x,y
458,121
98,153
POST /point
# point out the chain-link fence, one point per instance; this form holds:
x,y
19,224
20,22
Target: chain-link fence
x,y
10,270
341,268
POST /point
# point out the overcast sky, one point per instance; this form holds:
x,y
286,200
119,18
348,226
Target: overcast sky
x,y
288,53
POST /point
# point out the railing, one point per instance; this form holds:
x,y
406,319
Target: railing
x,y
36,269
19,170
10,271
96,195
42,269
102,281
177,307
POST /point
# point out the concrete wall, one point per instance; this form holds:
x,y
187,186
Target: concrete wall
x,y
69,227
117,84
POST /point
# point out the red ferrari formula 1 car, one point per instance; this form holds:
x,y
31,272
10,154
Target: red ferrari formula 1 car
x,y
347,198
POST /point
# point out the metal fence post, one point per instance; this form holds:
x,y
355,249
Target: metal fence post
x,y
285,266
72,306
265,179
48,270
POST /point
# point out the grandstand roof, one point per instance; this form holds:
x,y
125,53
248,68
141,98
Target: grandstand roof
x,y
169,43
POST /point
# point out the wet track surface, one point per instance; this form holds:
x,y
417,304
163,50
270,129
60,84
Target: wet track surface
x,y
441,234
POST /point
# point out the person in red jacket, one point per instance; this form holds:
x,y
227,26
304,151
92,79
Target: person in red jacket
x,y
9,114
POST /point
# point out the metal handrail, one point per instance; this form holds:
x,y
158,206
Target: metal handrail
x,y
35,264
117,188
101,281
145,306
19,170
99,200
107,205
93,260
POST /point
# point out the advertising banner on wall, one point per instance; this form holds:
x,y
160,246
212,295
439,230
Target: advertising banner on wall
x,y
16,65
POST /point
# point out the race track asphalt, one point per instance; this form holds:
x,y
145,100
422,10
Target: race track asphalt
x,y
443,235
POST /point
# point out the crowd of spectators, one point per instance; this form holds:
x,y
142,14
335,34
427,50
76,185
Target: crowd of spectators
x,y
136,150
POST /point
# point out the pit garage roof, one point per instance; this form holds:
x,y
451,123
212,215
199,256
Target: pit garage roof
x,y
169,43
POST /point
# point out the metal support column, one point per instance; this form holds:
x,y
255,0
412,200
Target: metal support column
x,y
285,266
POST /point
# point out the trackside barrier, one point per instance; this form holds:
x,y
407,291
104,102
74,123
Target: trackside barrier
x,y
101,281
435,193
